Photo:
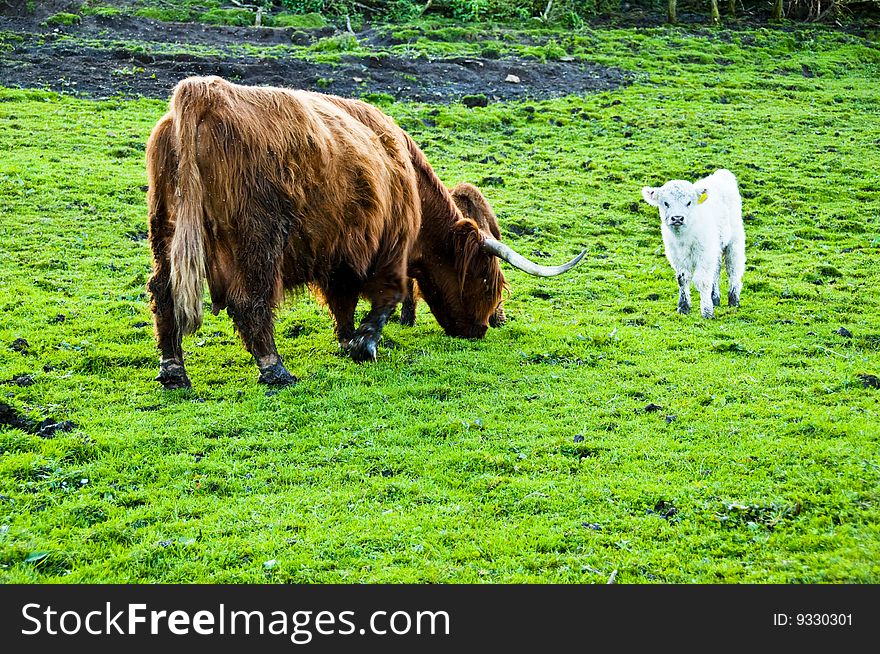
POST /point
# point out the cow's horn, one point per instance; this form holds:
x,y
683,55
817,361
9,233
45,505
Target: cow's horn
x,y
512,257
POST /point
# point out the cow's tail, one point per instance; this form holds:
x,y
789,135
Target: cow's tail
x,y
187,245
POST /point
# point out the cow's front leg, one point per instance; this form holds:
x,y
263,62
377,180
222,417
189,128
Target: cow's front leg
x,y
408,306
342,306
363,346
341,294
254,320
384,292
684,291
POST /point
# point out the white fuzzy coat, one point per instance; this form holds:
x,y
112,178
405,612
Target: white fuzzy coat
x,y
702,225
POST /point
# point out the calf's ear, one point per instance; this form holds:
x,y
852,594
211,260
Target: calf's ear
x,y
650,195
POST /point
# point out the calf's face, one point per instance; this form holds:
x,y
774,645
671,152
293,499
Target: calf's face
x,y
676,200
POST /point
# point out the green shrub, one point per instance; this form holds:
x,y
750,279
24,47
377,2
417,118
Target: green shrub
x,y
167,15
239,17
308,21
338,43
62,18
379,99
93,9
311,6
565,12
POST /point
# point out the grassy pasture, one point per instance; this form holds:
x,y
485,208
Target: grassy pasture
x,y
530,456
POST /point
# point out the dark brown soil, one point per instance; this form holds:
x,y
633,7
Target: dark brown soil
x,y
42,58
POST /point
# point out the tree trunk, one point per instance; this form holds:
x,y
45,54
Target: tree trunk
x,y
670,14
777,10
732,8
716,15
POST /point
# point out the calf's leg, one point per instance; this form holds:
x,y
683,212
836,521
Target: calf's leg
x,y
716,286
735,261
684,291
703,280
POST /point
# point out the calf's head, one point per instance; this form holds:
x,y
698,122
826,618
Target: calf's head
x,y
676,200
464,289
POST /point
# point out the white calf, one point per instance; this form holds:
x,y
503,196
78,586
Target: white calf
x,y
700,222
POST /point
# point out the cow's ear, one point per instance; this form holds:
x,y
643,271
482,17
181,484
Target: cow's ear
x,y
464,200
702,194
650,195
473,204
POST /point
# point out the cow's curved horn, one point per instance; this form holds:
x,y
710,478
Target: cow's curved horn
x,y
511,256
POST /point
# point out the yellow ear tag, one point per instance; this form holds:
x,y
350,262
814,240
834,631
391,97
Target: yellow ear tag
x,y
701,199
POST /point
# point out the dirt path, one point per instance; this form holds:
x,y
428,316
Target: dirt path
x,y
41,58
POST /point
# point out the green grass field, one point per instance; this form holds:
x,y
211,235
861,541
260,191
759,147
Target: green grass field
x,y
525,457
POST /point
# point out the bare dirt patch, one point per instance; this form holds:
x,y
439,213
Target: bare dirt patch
x,y
39,57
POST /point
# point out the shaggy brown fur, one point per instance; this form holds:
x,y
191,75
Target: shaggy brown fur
x,y
259,190
448,268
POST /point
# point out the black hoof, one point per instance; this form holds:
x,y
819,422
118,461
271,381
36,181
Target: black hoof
x,y
408,312
684,309
709,314
173,376
407,319
716,300
362,349
732,299
276,375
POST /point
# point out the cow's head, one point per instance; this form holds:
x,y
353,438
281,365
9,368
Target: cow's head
x,y
474,206
464,288
676,200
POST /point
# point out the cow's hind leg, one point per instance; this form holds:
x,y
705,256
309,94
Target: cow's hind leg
x,y
254,320
252,300
172,373
161,159
384,290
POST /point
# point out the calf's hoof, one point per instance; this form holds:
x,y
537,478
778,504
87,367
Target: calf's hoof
x,y
716,300
684,309
362,348
733,299
276,375
172,376
708,314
